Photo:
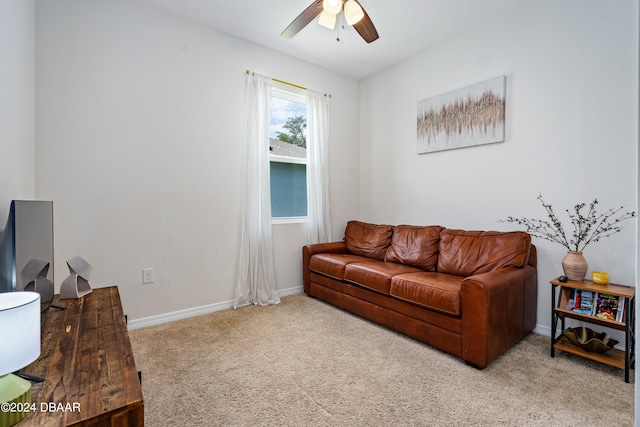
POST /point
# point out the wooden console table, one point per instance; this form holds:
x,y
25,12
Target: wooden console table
x,y
88,367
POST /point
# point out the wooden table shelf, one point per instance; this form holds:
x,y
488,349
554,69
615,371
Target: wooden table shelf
x,y
622,359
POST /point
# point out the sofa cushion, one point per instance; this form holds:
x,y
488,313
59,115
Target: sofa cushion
x,y
415,246
375,275
368,240
465,253
436,291
333,265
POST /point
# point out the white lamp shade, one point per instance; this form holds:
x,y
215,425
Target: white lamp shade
x,y
332,7
353,13
19,330
327,20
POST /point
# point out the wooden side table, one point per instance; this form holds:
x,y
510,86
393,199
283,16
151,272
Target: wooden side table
x,y
86,360
617,358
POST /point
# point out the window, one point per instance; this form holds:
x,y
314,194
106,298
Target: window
x,y
288,152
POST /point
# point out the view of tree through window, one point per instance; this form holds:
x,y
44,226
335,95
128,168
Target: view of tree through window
x,y
296,127
288,153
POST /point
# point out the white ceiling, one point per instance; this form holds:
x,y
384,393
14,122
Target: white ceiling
x,y
406,27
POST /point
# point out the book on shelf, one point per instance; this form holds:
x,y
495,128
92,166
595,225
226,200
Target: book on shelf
x,y
620,314
599,304
581,301
607,306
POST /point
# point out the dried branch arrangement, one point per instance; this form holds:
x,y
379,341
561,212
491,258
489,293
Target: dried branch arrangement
x,y
588,227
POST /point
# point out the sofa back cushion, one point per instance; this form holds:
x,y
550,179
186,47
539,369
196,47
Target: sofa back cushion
x,y
370,240
465,253
415,246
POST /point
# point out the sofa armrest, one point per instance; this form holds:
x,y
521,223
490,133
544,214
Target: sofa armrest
x,y
533,256
323,248
498,309
309,250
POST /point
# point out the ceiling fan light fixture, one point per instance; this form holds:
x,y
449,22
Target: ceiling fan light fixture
x,y
353,13
327,20
332,7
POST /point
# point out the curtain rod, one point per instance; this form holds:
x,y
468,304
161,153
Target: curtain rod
x,y
285,83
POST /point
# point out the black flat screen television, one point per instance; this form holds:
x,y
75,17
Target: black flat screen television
x,y
26,248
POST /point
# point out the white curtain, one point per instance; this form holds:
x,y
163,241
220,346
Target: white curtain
x,y
256,271
318,209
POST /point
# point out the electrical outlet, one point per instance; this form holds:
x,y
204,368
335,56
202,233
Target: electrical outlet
x,y
147,275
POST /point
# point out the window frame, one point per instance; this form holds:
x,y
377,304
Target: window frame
x,y
294,94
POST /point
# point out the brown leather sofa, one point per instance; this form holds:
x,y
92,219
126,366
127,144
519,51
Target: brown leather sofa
x,y
470,293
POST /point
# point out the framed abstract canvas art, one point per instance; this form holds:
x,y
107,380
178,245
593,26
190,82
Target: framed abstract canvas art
x,y
473,115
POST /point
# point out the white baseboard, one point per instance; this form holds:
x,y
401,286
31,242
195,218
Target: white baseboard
x,y
291,291
195,311
542,330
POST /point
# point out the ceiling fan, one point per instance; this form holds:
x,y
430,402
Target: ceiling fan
x,y
328,10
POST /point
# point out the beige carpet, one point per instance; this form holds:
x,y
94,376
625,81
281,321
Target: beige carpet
x,y
307,363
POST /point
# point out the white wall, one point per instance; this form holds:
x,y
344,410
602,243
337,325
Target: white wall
x,y
637,374
572,130
17,102
139,116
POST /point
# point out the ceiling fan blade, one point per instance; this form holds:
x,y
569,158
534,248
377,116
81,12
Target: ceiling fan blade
x,y
365,27
303,19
